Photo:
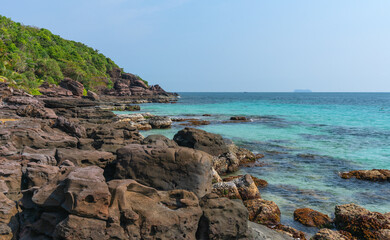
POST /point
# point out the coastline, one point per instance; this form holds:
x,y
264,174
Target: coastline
x,y
71,159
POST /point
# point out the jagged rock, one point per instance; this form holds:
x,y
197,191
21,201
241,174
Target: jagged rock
x,y
159,141
41,156
75,87
111,137
145,213
327,234
227,156
75,227
360,222
290,231
312,218
22,100
38,175
68,103
84,157
222,219
9,223
263,211
36,111
375,175
226,189
246,187
11,177
216,177
258,182
92,95
166,168
160,122
70,127
34,134
51,90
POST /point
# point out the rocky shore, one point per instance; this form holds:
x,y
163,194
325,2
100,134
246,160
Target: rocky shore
x,y
72,169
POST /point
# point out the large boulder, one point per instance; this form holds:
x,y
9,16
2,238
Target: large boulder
x,y
141,212
227,156
222,219
159,141
312,218
361,222
263,211
75,87
166,168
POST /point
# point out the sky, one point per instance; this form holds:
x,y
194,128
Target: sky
x,y
229,45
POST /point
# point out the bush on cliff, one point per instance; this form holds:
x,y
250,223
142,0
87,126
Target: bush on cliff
x,y
31,55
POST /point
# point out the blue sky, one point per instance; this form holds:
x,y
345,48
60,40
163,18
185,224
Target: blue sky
x,y
226,45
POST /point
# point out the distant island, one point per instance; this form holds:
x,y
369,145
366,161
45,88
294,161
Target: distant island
x,y
302,90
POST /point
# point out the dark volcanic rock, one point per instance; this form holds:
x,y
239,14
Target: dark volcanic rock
x,y
238,118
75,87
222,219
312,218
166,168
362,223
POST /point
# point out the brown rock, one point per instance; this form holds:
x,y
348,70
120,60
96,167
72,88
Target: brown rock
x,y
70,127
360,222
11,177
246,187
375,175
327,234
146,213
75,87
41,156
92,95
85,157
226,189
8,218
263,211
238,118
312,218
75,227
86,193
38,175
296,234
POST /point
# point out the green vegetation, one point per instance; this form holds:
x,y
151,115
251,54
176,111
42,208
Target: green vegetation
x,y
30,56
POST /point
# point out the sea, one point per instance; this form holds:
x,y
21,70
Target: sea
x,y
307,140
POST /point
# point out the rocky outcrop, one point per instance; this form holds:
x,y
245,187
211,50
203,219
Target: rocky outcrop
x,y
166,168
84,158
75,87
312,218
70,127
9,223
159,141
362,223
160,122
140,212
263,211
52,90
10,178
375,175
227,156
222,219
327,234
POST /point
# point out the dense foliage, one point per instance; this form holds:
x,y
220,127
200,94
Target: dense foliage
x,y
30,55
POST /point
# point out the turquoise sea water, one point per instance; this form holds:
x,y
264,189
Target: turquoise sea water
x,y
307,139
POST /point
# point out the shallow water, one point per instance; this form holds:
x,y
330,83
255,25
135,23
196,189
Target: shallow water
x,y
307,139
